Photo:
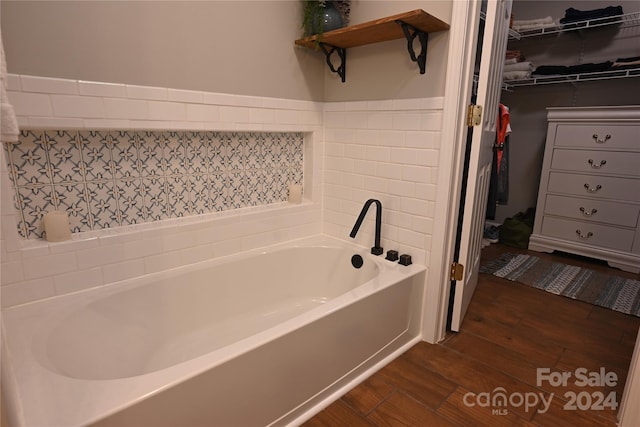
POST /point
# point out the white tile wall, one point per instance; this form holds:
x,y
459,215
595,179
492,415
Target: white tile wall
x,y
190,96
77,106
385,149
36,99
48,85
37,104
36,270
102,89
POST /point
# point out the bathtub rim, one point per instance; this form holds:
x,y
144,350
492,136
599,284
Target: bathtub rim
x,y
158,381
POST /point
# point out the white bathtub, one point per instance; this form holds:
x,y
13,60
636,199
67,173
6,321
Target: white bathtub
x,y
262,338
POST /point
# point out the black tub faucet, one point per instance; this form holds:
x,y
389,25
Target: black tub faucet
x,y
376,249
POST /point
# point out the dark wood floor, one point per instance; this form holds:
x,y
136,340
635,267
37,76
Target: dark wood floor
x,y
510,331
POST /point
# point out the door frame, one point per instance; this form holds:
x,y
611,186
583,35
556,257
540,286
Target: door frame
x,y
458,90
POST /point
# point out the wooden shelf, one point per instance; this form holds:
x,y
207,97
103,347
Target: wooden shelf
x,y
380,30
409,25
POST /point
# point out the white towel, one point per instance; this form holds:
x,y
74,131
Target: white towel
x,y
532,27
624,64
8,122
520,66
516,75
545,20
533,24
510,61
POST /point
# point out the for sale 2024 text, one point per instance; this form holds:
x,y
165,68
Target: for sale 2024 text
x,y
582,377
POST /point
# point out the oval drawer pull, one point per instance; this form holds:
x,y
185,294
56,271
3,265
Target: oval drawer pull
x,y
601,140
584,236
594,189
597,165
589,213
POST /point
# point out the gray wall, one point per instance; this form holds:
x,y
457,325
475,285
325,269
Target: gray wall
x,y
240,47
528,104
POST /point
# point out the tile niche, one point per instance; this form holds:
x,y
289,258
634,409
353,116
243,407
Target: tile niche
x,y
106,179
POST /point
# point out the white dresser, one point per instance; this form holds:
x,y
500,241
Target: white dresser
x,y
589,195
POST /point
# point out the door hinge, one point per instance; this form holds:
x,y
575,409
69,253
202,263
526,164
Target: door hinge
x,y
456,271
474,115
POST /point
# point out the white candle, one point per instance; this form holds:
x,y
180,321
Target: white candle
x,y
56,226
295,193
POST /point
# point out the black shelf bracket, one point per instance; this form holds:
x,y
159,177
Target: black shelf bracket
x,y
342,54
410,33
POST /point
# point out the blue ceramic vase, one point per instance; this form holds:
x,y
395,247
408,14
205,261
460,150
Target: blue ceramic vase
x,y
330,20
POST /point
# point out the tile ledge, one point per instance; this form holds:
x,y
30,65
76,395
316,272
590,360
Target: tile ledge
x,y
140,126
164,224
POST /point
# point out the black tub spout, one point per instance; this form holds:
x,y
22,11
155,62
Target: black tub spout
x,y
376,249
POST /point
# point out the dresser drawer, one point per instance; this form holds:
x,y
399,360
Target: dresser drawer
x,y
592,210
597,162
600,187
588,233
610,136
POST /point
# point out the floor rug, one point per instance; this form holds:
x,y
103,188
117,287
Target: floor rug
x,y
613,292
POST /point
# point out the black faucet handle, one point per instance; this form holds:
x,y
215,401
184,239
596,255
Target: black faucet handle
x,y
405,259
377,250
392,255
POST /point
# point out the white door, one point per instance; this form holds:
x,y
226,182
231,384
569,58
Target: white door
x,y
492,44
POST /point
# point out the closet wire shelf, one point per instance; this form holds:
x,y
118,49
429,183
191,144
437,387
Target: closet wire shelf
x,y
573,78
623,21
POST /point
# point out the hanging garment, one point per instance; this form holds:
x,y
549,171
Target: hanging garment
x,y
499,183
503,173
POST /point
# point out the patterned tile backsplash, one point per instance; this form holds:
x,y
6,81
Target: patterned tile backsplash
x,y
105,179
